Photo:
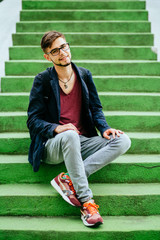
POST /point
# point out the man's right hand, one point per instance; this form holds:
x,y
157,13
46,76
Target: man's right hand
x,y
65,127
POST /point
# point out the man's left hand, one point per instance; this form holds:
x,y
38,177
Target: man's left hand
x,y
113,132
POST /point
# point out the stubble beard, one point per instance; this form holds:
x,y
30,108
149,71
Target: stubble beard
x,y
61,65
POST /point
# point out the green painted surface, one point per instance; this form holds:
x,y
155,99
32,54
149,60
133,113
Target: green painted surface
x,y
128,84
114,199
130,103
145,146
86,53
135,123
15,103
13,124
103,83
126,169
83,5
109,39
32,68
19,84
122,227
109,102
95,26
124,122
14,143
95,234
45,15
18,143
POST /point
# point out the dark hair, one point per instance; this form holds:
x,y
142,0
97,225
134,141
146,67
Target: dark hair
x,y
48,38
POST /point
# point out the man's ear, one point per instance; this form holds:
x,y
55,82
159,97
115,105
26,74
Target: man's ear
x,y
46,56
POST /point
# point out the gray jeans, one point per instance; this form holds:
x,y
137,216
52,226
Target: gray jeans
x,y
83,156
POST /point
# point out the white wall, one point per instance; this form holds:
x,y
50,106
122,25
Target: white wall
x,y
9,15
153,7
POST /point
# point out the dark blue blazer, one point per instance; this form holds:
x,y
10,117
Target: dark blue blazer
x,y
44,110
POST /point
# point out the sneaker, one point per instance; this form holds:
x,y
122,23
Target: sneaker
x,y
90,214
63,185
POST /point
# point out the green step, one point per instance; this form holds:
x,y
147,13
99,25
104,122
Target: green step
x,y
13,122
103,67
14,143
103,83
87,53
134,121
84,26
14,102
83,4
109,39
114,200
126,83
111,101
114,227
47,15
129,168
142,143
127,121
130,101
16,84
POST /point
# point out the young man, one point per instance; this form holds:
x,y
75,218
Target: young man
x,y
63,112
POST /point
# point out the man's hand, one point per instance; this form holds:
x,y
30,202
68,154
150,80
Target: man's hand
x,y
65,127
113,132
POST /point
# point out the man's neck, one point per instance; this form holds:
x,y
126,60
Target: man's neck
x,y
64,72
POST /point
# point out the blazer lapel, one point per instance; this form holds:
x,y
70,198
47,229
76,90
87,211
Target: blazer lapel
x,y
55,87
85,93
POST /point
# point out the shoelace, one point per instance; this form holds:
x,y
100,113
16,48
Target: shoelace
x,y
70,183
71,186
91,207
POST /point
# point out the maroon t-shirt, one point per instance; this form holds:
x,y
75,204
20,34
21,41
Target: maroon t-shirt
x,y
71,107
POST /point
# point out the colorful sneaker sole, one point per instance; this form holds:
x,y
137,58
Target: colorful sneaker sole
x,y
59,190
90,225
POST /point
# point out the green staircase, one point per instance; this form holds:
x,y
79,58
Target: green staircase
x,y
113,40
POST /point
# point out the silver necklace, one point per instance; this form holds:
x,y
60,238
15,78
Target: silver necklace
x,y
65,83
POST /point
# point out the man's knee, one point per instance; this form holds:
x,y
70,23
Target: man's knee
x,y
125,143
70,138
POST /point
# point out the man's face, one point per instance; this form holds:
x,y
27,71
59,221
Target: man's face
x,y
60,57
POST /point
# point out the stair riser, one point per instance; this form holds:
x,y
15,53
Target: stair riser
x,y
21,146
126,123
127,27
109,103
16,84
135,123
111,68
89,39
14,103
82,5
116,173
109,205
79,15
81,235
32,53
14,146
128,84
130,103
121,84
13,124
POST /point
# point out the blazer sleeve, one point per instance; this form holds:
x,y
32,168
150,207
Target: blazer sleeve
x,y
37,111
96,106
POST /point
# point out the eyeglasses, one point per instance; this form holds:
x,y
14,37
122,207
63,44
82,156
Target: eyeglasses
x,y
56,51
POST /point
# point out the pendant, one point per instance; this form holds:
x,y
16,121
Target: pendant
x,y
65,85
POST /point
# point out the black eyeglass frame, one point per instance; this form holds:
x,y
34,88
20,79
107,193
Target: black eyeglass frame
x,y
59,49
